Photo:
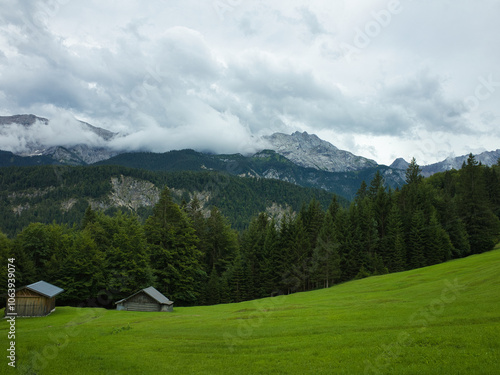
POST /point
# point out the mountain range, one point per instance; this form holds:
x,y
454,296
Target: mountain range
x,y
300,158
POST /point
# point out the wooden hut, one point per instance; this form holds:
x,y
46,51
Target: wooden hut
x,y
38,299
148,299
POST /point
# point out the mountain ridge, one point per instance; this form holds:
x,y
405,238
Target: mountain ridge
x,y
488,158
313,157
74,154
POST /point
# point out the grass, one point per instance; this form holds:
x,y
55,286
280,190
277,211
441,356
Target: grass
x,y
443,319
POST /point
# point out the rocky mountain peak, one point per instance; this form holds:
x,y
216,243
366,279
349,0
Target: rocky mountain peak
x,y
400,163
308,150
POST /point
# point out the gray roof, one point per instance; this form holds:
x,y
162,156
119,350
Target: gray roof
x,y
153,293
44,288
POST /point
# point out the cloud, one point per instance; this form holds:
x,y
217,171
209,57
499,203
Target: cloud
x,y
62,130
169,75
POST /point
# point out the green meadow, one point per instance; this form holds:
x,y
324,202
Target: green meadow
x,y
443,319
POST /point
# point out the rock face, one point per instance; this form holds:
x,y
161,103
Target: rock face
x,y
79,154
312,152
400,163
132,193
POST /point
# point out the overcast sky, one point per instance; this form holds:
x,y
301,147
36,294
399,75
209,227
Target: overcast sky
x,y
382,79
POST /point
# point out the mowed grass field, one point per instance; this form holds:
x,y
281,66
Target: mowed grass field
x,y
443,319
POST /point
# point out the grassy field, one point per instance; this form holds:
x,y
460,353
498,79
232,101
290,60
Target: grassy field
x,y
443,319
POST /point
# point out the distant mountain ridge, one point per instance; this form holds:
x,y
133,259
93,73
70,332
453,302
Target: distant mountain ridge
x,y
301,158
80,154
488,158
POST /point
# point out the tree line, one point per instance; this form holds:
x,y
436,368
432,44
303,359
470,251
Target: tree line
x,y
198,258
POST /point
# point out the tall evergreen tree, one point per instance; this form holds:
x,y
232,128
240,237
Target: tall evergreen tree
x,y
417,241
413,173
81,271
269,270
236,280
175,257
252,250
326,259
220,240
393,246
438,247
312,218
482,225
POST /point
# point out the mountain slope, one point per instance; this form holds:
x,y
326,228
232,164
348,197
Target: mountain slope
x,y
62,193
437,320
266,164
309,151
80,142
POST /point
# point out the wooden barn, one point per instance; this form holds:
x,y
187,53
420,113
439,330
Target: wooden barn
x,y
38,299
148,299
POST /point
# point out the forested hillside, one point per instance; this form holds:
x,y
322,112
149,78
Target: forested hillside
x,y
61,194
265,164
200,259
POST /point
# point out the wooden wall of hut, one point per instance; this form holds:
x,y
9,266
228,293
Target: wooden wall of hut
x,y
29,303
141,302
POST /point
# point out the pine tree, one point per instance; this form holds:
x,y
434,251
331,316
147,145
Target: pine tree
x,y
252,250
376,185
482,225
393,245
89,217
175,257
212,289
417,241
344,230
326,259
334,207
82,272
220,241
236,280
413,173
269,270
295,244
492,183
362,192
194,210
312,218
438,247
454,227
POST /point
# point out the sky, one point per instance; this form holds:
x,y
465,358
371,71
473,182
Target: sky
x,y
382,79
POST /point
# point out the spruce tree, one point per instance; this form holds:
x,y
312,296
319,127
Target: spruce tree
x,y
483,227
438,247
417,241
393,245
220,241
175,257
312,218
326,259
